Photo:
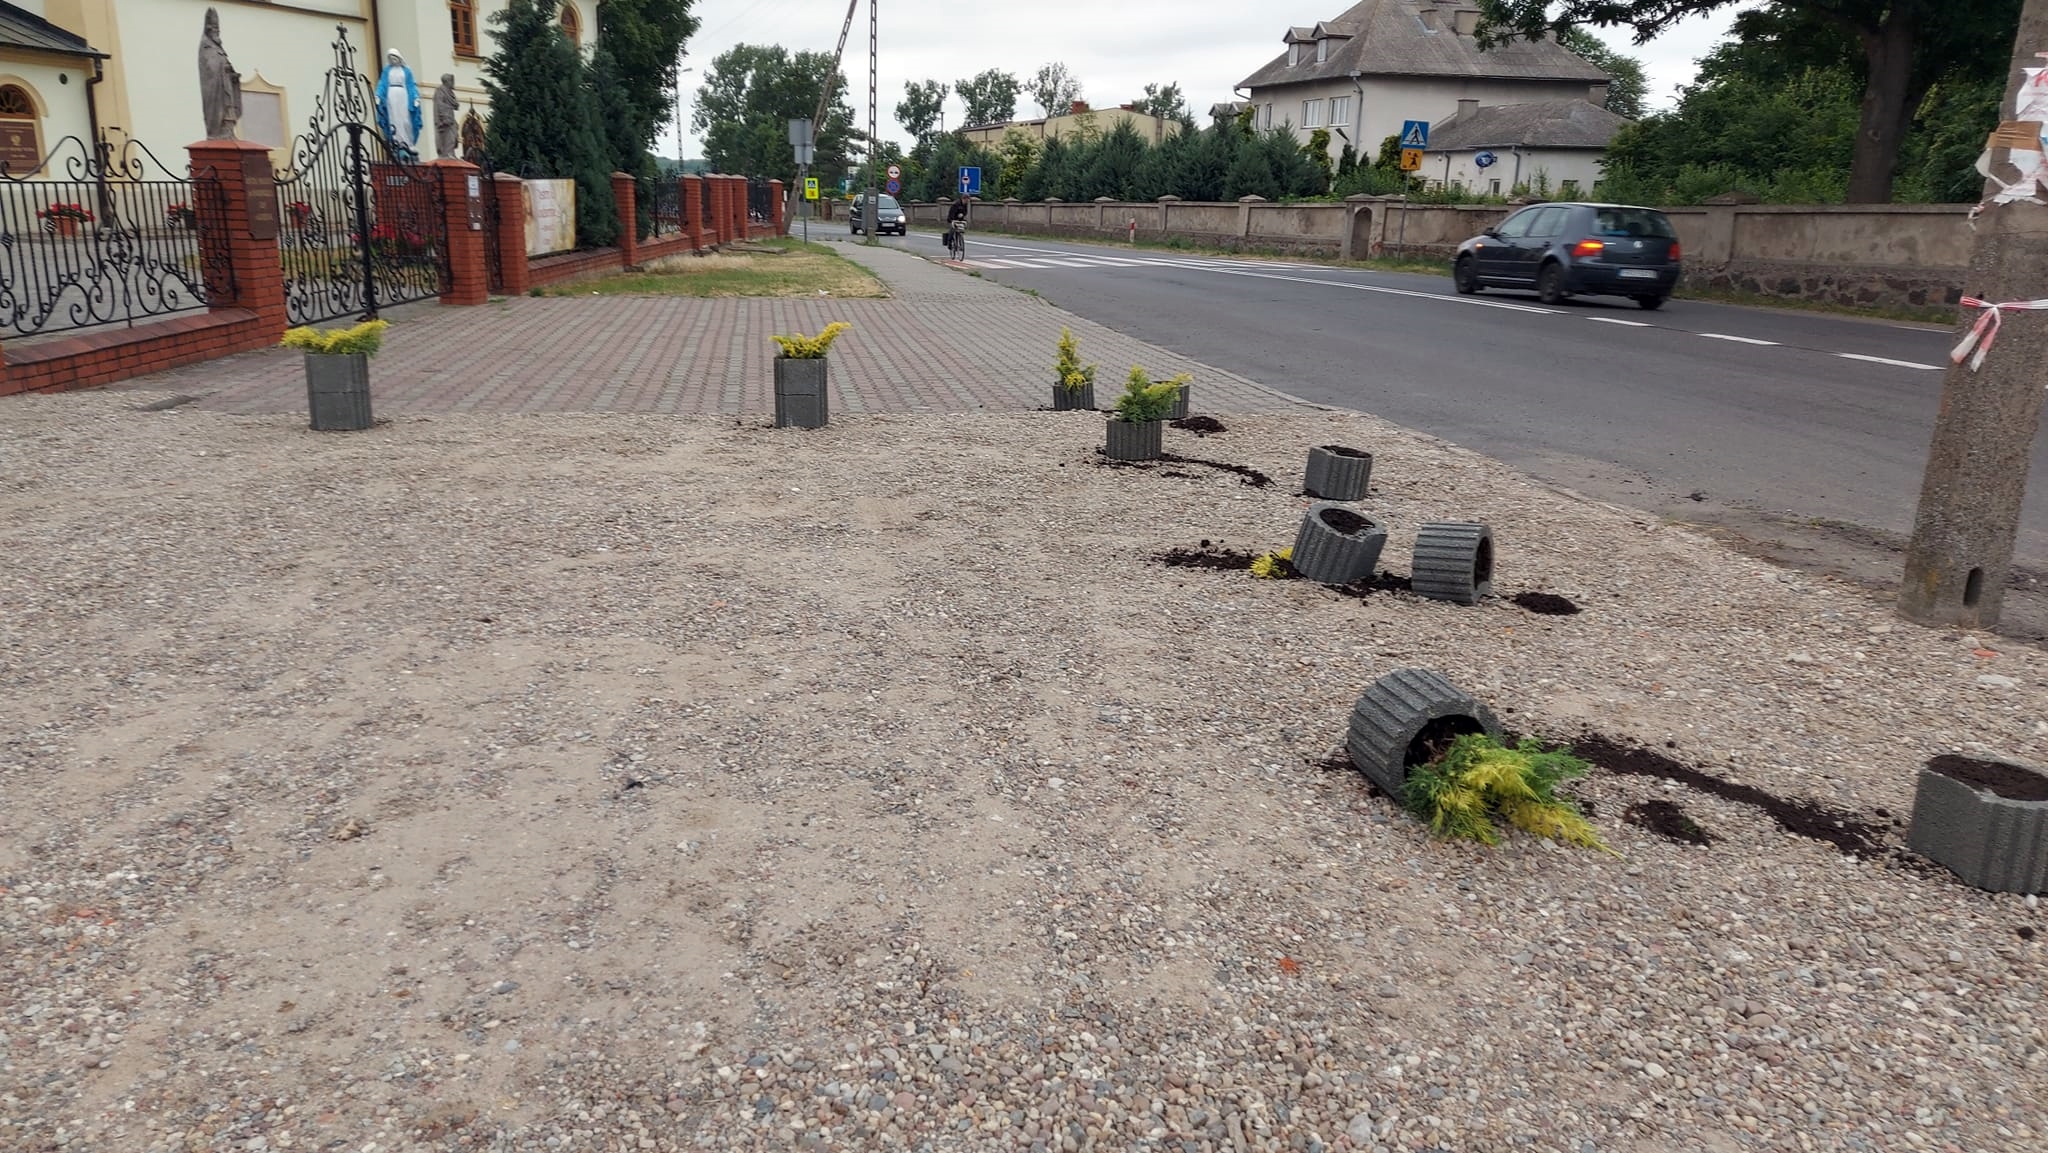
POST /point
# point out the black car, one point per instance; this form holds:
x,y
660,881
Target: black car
x,y
889,216
1562,249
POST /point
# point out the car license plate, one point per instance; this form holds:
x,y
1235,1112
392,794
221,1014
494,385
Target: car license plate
x,y
1639,274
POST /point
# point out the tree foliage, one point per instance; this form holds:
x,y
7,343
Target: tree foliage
x,y
750,95
991,97
1165,102
646,39
1896,50
1628,89
545,119
1054,89
924,101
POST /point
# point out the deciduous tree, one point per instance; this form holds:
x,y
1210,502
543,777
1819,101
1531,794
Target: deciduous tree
x,y
1054,88
750,95
991,96
924,101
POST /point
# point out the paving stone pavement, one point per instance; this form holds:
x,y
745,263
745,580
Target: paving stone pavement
x,y
943,342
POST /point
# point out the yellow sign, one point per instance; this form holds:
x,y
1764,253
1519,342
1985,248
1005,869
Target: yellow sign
x,y
810,188
1411,160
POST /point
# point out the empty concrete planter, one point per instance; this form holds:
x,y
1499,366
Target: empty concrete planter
x,y
800,392
1337,473
1336,546
1407,718
1986,820
1453,562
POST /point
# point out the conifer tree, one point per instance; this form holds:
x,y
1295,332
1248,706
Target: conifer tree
x,y
544,117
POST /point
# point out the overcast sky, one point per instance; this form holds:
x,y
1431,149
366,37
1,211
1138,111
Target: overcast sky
x,y
1115,49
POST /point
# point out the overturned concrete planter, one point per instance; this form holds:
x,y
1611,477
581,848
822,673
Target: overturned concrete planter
x,y
1066,399
1337,473
338,391
1453,562
800,393
1408,718
1336,546
1180,403
1986,820
1135,440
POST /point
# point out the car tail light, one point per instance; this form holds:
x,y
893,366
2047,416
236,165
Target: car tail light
x,y
1589,248
1674,252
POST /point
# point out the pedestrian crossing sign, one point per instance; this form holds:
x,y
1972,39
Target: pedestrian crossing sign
x,y
1411,160
1414,134
810,188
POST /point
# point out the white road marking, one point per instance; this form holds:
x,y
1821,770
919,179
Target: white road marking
x,y
1065,263
1737,339
1618,320
1890,361
999,264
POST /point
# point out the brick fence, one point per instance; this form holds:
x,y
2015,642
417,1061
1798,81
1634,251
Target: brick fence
x,y
247,310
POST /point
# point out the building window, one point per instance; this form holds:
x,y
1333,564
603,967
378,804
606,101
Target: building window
x,y
1495,190
1340,111
1265,116
21,145
1571,189
462,23
1322,51
1293,55
1311,114
572,25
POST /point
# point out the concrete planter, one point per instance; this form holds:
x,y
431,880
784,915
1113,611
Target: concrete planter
x,y
800,393
1080,399
1986,820
1135,440
1180,404
338,391
1337,473
1402,720
1453,562
1336,546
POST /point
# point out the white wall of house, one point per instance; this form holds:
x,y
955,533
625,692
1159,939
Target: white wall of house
x,y
1380,104
1578,165
56,88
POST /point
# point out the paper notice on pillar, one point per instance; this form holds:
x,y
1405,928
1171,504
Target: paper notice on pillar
x,y
2032,101
550,216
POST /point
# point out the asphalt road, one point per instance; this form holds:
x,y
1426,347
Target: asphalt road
x,y
1707,412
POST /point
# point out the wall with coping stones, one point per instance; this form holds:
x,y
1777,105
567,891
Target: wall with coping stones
x,y
1895,255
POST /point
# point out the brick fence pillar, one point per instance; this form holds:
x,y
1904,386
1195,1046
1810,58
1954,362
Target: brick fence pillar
x,y
226,175
626,194
514,278
781,209
462,190
741,229
721,209
691,190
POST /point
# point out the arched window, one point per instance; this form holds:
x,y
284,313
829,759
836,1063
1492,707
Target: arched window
x,y
572,25
21,145
462,22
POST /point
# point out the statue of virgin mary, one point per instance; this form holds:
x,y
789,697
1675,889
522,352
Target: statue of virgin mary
x,y
398,107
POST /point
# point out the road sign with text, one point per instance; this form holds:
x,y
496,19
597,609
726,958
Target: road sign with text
x,y
1414,134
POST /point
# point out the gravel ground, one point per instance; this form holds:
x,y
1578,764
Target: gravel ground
x,y
638,782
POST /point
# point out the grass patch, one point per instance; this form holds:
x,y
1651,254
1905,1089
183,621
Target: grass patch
x,y
782,266
1945,315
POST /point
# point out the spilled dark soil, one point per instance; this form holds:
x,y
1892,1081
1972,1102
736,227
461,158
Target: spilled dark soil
x,y
1245,473
1846,831
1667,820
1994,777
1207,556
1200,425
1353,453
1545,604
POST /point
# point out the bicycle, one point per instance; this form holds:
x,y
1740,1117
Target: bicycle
x,y
956,239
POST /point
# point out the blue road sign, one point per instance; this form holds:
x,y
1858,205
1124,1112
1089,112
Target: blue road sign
x,y
1486,160
1415,134
893,187
970,182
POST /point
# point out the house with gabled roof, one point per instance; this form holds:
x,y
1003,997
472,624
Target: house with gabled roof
x,y
1362,73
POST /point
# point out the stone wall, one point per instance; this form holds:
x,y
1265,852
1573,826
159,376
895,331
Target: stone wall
x,y
1898,255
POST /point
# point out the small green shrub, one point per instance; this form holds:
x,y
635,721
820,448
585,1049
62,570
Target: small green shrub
x,y
801,347
365,338
1143,400
1273,565
1073,375
1478,778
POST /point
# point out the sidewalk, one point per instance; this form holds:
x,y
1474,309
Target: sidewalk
x,y
945,342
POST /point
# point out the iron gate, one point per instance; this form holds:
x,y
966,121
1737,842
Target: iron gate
x,y
361,225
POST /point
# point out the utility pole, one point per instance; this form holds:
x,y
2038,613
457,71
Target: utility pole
x,y
1961,552
874,214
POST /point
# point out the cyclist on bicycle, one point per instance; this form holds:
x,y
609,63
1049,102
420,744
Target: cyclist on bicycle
x,y
956,220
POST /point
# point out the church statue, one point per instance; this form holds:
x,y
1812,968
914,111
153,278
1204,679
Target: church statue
x,y
445,109
398,107
220,86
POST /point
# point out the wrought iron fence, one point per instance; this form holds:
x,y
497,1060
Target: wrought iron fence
x,y
665,206
760,200
97,236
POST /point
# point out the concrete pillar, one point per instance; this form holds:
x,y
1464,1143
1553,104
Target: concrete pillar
x,y
228,174
1245,204
626,194
462,192
514,277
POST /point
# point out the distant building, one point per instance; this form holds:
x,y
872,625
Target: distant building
x,y
1080,119
1559,142
1383,62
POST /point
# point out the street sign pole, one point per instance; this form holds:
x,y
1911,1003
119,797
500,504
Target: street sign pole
x,y
802,140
